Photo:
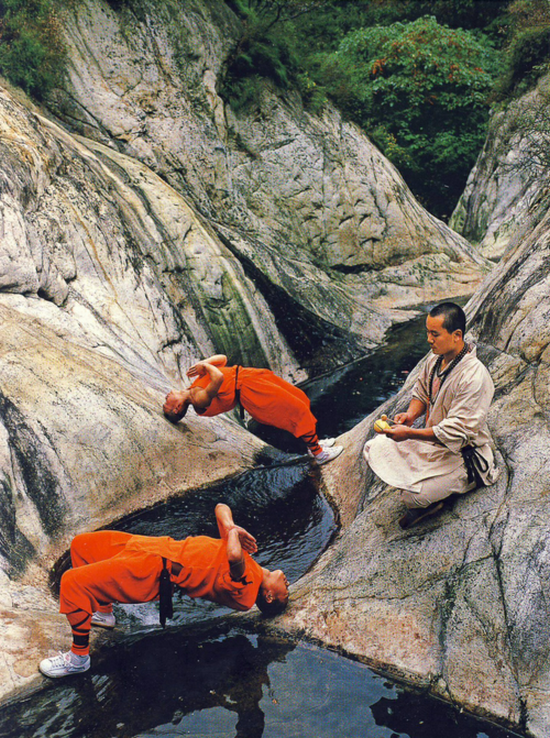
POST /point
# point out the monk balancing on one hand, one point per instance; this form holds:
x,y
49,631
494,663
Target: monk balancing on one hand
x,y
452,453
265,396
110,566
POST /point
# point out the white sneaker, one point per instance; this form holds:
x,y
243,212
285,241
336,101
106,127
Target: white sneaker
x,y
64,665
328,454
104,620
327,442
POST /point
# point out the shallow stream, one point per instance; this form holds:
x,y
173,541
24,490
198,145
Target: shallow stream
x,y
214,676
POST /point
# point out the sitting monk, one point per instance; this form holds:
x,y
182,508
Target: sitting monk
x,y
452,453
265,396
110,566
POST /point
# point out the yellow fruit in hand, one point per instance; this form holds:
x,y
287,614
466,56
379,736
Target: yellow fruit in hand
x,y
381,425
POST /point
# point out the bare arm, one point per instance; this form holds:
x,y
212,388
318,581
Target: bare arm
x,y
201,397
217,360
416,409
237,539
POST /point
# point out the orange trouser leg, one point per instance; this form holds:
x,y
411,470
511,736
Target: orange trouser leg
x,y
104,573
274,401
88,548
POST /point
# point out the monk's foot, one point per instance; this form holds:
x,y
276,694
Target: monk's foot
x,y
66,664
104,620
328,454
415,515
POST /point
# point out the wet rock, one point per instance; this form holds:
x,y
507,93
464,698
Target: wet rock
x,y
458,604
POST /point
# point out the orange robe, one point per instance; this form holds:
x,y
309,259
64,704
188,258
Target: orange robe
x,y
268,398
111,566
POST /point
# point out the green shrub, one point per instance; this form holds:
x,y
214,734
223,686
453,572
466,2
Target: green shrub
x,y
420,91
527,48
263,52
31,48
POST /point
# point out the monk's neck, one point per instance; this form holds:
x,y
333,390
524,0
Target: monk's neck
x,y
451,356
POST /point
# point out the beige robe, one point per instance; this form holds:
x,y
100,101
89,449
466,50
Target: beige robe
x,y
457,417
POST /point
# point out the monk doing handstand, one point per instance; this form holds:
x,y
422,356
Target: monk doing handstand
x,y
110,566
452,454
269,399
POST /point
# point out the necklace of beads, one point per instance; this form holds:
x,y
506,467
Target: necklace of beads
x,y
445,373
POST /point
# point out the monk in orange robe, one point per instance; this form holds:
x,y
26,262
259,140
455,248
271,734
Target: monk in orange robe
x,y
270,400
111,566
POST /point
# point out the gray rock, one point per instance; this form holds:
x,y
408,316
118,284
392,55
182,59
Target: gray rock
x,y
329,219
508,187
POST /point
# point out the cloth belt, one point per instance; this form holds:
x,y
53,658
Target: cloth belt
x,y
238,394
474,463
165,594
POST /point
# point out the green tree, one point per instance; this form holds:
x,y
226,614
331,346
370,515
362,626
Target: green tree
x,y
267,49
527,53
420,90
31,47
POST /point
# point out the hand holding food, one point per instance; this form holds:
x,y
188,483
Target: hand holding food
x,y
381,424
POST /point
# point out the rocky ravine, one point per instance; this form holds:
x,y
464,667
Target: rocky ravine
x,y
460,606
117,270
93,333
111,283
321,222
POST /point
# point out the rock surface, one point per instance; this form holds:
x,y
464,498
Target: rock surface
x,y
509,185
459,605
93,333
162,227
321,222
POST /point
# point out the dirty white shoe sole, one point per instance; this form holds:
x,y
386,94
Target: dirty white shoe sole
x,y
104,620
63,665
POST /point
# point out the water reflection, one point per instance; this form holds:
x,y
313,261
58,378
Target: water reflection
x,y
229,682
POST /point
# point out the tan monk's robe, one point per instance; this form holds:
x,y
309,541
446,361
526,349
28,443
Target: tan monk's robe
x,y
458,418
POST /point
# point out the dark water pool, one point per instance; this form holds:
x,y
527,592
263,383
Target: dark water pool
x,y
205,676
221,682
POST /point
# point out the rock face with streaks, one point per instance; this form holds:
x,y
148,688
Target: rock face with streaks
x,y
107,279
154,227
509,185
323,225
459,604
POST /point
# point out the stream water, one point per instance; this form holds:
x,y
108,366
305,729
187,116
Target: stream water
x,y
211,676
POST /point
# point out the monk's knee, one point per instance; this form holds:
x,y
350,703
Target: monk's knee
x,y
414,500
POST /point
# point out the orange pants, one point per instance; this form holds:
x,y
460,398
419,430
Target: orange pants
x,y
268,398
104,572
272,400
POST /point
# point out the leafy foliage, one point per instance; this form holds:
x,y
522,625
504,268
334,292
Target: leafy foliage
x,y
31,49
527,52
420,90
267,49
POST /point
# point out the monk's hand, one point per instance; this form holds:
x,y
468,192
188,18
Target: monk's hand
x,y
197,370
403,419
398,432
248,542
